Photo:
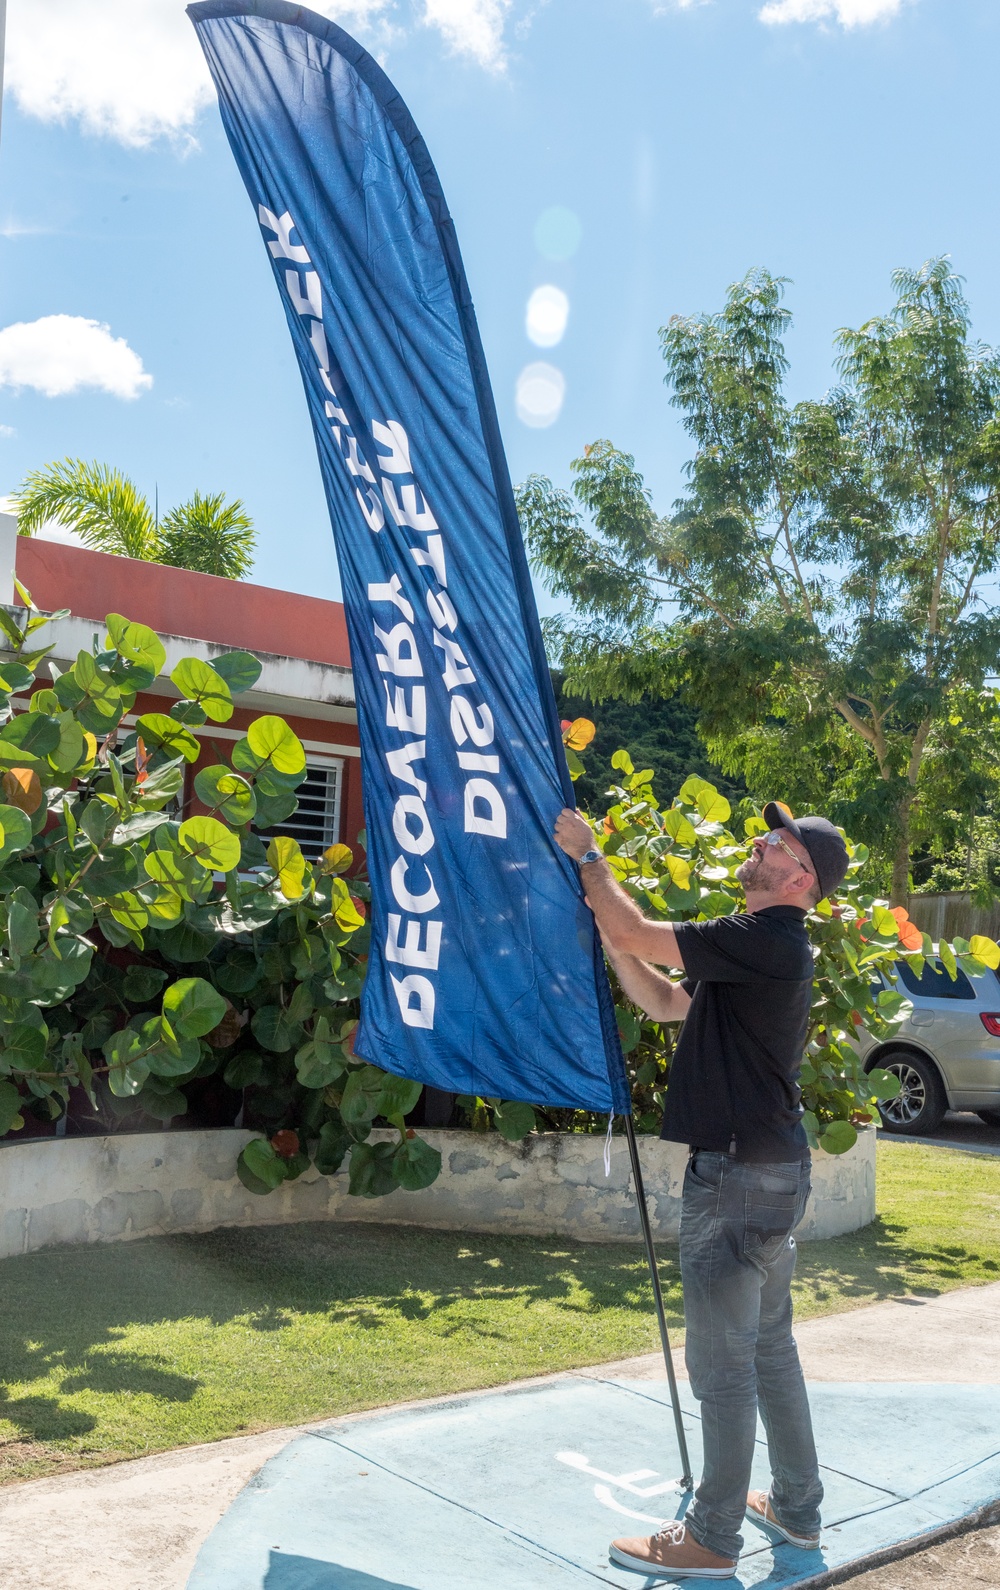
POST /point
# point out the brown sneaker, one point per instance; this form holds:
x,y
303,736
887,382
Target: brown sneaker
x,y
760,1511
671,1551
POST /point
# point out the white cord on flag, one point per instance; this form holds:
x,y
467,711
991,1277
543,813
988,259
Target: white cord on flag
x,y
607,1146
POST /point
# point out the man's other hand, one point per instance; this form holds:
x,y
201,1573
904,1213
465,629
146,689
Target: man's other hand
x,y
574,834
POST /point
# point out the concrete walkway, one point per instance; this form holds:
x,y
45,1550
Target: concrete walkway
x,y
140,1525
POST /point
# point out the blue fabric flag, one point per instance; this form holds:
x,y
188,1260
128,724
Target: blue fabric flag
x,y
485,975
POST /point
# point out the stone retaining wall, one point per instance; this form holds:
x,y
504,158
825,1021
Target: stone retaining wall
x,y
109,1189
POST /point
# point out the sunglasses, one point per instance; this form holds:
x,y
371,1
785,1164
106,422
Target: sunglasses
x,y
774,838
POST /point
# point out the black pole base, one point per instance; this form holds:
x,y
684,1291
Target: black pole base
x,y
686,1481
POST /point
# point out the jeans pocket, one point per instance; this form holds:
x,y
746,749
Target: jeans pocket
x,y
706,1171
770,1219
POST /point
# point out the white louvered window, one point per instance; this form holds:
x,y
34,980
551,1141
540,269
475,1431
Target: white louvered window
x,y
316,824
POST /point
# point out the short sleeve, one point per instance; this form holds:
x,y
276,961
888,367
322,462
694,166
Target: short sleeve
x,y
737,949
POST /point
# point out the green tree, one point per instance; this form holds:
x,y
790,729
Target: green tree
x,y
660,734
210,535
207,534
826,569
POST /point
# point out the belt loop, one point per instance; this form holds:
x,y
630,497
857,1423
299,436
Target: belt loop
x,y
732,1147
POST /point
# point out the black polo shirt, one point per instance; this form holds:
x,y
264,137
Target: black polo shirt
x,y
734,1076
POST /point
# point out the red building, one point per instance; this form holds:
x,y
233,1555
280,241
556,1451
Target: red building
x,y
300,640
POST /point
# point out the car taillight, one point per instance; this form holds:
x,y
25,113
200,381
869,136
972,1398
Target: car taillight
x,y
991,1021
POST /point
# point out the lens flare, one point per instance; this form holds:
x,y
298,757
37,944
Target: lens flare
x,y
546,316
558,233
541,389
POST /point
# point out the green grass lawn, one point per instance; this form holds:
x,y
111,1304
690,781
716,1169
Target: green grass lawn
x,y
114,1351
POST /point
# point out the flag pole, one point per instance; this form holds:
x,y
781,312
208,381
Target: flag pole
x,y
686,1480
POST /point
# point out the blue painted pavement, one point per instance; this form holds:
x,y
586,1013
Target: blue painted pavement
x,y
524,1488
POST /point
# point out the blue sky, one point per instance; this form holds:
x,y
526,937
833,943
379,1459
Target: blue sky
x,y
829,140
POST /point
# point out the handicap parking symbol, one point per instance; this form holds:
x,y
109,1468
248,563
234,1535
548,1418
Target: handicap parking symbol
x,y
630,1483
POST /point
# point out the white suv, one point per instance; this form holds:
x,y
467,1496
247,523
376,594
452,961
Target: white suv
x,y
947,1052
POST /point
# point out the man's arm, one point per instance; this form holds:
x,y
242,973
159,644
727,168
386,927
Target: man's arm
x,y
623,926
651,991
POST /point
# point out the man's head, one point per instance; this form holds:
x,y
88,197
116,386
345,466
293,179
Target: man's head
x,y
796,863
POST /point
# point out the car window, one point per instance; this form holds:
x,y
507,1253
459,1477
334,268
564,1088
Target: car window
x,y
934,982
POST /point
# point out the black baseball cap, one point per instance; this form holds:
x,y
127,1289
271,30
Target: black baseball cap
x,y
825,845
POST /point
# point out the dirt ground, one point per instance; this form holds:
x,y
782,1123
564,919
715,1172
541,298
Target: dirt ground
x,y
965,1563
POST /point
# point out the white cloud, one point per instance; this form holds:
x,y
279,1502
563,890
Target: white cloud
x,y
52,530
849,13
471,27
24,229
130,69
59,354
133,69
7,430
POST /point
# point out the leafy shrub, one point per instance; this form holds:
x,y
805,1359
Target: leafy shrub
x,y
141,954
679,864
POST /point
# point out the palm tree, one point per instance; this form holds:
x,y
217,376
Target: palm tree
x,y
103,507
209,534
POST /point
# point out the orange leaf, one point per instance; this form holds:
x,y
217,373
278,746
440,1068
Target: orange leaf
x,y
285,1143
141,758
900,913
579,735
564,724
22,787
910,936
359,906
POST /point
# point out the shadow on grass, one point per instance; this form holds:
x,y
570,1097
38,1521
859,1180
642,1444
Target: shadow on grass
x,y
64,1309
880,1262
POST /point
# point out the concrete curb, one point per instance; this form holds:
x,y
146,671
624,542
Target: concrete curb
x,y
982,1518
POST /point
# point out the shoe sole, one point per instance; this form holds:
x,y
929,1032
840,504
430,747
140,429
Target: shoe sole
x,y
655,1571
801,1541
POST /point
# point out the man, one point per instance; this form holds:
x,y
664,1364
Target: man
x,y
734,1099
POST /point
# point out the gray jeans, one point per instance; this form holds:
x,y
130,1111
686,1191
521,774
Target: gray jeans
x,y
737,1262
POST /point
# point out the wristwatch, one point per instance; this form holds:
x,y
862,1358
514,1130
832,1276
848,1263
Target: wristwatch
x,y
589,855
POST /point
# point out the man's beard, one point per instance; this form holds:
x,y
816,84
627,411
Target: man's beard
x,y
758,876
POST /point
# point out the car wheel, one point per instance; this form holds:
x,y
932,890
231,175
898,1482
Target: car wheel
x,y
989,1117
919,1107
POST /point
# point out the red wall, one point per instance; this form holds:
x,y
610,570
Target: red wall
x,y
178,602
228,612
317,730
